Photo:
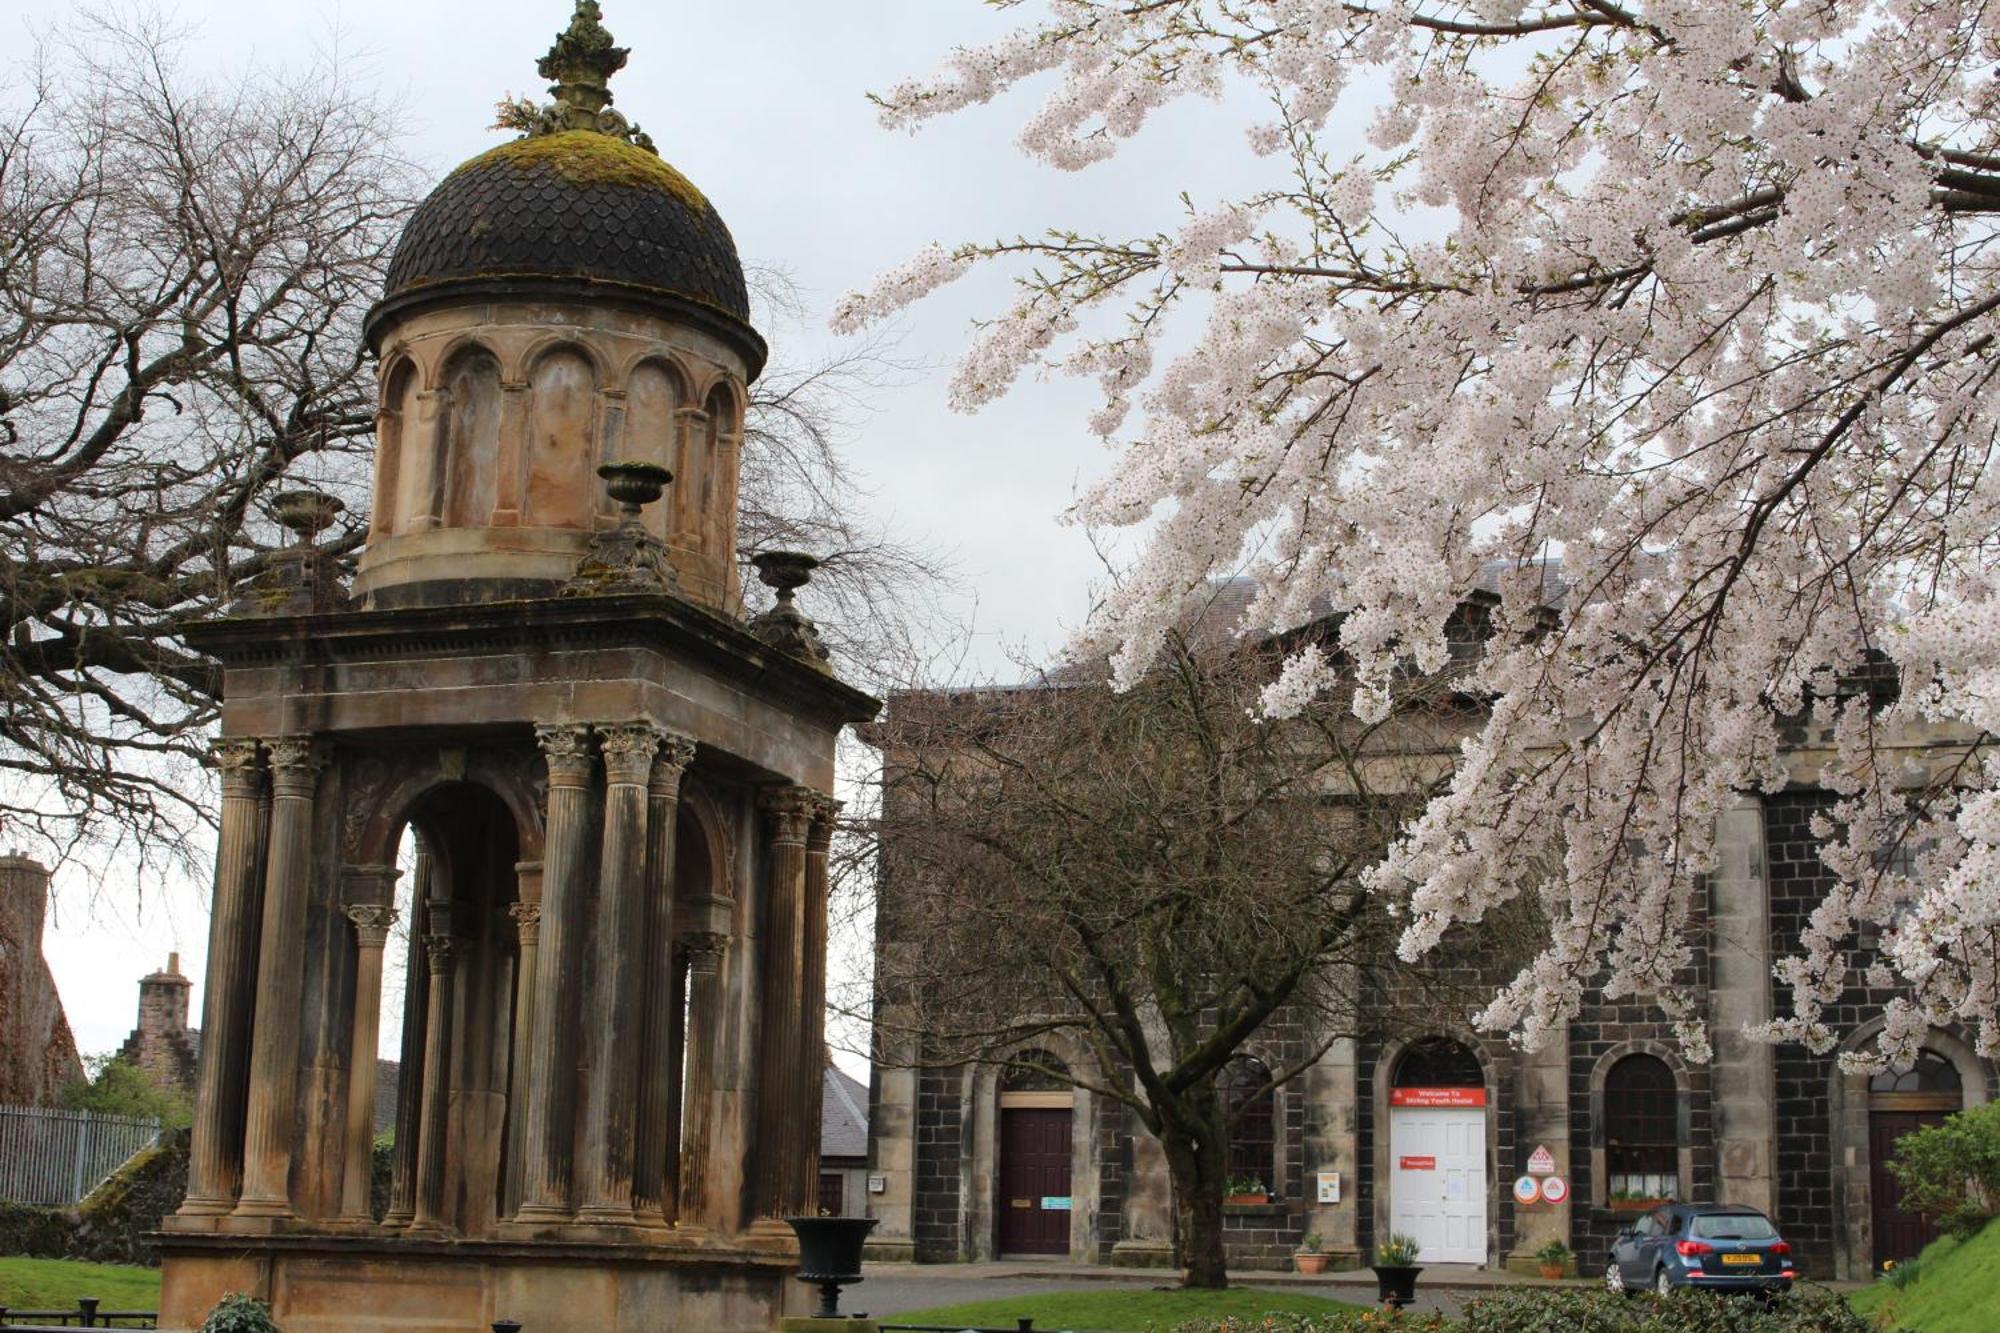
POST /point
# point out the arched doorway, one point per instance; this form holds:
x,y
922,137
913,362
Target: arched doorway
x,y
1037,1106
1437,1151
1900,1104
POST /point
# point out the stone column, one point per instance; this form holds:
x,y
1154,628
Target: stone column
x,y
673,1111
612,1028
274,1044
1541,1119
527,914
372,916
781,1063
215,1153
812,995
660,1010
441,952
704,949
545,1168
410,1076
1745,1070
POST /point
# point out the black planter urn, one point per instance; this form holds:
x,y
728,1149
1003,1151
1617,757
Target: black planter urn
x,y
830,1256
1395,1284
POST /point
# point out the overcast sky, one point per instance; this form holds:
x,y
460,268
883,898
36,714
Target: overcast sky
x,y
763,105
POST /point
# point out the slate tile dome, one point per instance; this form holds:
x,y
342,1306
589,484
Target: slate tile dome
x,y
577,207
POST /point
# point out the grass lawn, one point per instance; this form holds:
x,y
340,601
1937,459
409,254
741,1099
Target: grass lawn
x,y
1956,1290
1119,1309
54,1284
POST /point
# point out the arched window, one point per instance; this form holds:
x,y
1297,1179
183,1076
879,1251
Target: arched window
x,y
1034,1071
1438,1062
1641,1130
1251,1105
1931,1078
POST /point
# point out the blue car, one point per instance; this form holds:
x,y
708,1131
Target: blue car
x,y
1712,1246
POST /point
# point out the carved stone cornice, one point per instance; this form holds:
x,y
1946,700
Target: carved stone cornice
x,y
628,748
371,923
790,810
566,746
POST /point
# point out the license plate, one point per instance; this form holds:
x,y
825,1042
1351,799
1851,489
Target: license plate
x,y
1732,1259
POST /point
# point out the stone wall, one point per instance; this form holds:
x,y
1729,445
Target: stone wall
x,y
940,1124
37,1053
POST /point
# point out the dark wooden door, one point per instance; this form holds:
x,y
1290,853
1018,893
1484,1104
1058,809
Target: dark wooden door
x,y
1899,1233
1034,1170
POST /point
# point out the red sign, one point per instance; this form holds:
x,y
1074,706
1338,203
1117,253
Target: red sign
x,y
1416,1163
1437,1097
1541,1162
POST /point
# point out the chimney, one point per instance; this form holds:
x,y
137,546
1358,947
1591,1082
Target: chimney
x,y
24,896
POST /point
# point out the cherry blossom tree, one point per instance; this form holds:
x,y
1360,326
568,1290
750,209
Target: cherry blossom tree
x,y
1694,297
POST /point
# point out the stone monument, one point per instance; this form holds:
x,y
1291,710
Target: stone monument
x,y
618,790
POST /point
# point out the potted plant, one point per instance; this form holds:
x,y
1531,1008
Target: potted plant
x,y
1553,1259
1311,1255
1244,1190
1396,1270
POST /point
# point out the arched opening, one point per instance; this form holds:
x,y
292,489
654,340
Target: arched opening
x,y
560,466
470,438
1899,1104
1641,1131
459,971
1250,1104
1437,1150
652,398
1037,1109
399,406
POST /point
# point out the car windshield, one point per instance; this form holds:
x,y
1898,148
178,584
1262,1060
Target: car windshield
x,y
1733,1226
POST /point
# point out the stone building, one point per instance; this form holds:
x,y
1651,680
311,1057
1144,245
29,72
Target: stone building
x,y
1426,1128
613,784
161,1044
843,1144
37,1053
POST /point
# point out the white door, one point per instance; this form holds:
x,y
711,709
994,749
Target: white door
x,y
1437,1181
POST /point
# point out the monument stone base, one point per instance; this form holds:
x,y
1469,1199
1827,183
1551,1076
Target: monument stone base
x,y
389,1284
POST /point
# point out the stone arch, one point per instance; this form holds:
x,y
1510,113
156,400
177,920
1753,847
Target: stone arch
x,y
469,434
1386,1062
1600,1071
395,427
700,805
656,391
979,1168
558,484
381,793
1853,1174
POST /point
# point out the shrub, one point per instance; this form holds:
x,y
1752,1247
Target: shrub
x,y
238,1313
1543,1310
118,1087
1951,1172
34,1233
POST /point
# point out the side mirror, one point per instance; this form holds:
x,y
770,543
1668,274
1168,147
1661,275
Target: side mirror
x,y
1624,1236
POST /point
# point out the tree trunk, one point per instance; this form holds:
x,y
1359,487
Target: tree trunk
x,y
1197,1163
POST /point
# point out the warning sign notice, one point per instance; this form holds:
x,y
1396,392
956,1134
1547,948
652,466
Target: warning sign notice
x,y
1541,1162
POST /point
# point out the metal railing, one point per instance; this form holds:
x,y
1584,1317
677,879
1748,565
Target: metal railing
x,y
1019,1326
54,1158
85,1315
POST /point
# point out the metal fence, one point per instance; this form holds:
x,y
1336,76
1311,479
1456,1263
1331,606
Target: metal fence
x,y
54,1158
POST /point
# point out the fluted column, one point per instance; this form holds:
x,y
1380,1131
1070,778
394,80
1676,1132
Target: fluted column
x,y
545,1168
527,914
372,919
215,1153
703,950
274,1043
781,1064
812,997
410,1075
673,1111
612,1028
441,953
660,1013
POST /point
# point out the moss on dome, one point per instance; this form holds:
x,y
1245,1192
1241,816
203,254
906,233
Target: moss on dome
x,y
585,158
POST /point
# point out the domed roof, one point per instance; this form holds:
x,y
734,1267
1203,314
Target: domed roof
x,y
580,201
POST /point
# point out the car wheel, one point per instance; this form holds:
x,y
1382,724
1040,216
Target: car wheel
x,y
1614,1280
1662,1283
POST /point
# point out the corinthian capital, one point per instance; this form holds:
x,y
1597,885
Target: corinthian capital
x,y
704,948
566,746
235,758
676,753
295,764
790,810
371,923
527,921
628,751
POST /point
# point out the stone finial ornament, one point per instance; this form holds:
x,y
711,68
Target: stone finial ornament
x,y
628,558
300,578
784,627
578,67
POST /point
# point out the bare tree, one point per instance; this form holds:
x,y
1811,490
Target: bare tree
x,y
1155,874
183,268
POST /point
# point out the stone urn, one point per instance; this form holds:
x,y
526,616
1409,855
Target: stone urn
x,y
305,514
830,1256
1396,1284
